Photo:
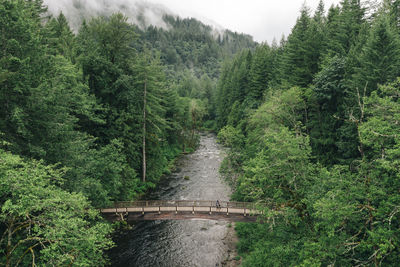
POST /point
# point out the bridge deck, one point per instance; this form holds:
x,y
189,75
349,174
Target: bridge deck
x,y
181,210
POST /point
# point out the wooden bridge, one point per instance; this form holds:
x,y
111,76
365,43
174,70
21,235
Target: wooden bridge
x,y
182,210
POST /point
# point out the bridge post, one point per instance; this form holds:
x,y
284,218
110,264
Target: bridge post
x,y
244,212
193,209
210,210
159,209
176,209
142,210
227,210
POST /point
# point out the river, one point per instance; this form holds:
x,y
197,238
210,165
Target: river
x,y
186,242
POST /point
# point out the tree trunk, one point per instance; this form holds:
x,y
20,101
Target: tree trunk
x,y
193,128
9,243
144,130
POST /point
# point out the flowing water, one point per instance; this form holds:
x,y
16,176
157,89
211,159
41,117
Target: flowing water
x,y
181,243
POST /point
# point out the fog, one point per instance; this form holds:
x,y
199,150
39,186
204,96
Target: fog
x,y
78,10
263,19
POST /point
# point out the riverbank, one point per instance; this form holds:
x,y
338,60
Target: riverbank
x,y
186,242
230,240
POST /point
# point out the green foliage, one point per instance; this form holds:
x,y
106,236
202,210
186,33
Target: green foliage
x,y
190,45
379,61
244,83
344,25
99,109
283,108
329,132
59,38
21,65
115,101
278,170
297,52
94,109
43,224
231,137
323,157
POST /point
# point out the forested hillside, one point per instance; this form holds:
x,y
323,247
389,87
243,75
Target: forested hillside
x,y
313,126
98,115
90,118
192,53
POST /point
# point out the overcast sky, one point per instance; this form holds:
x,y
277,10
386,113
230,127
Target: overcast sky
x,y
263,19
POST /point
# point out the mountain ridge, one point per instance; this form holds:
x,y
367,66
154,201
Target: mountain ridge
x,y
140,13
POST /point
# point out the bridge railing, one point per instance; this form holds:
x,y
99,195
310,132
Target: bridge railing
x,y
184,203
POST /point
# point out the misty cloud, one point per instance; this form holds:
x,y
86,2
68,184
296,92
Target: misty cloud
x,y
78,10
263,19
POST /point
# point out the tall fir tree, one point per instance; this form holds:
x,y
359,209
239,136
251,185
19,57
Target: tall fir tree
x,y
149,86
298,64
344,26
379,60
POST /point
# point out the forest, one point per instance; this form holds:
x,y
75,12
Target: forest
x,y
99,115
92,117
313,128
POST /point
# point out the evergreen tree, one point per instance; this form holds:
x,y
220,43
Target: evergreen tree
x,y
22,64
328,96
379,60
393,8
60,38
344,26
148,84
323,158
302,51
262,74
317,40
223,97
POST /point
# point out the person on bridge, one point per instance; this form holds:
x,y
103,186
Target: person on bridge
x,y
217,204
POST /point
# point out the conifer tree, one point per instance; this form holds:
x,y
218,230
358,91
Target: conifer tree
x,y
149,86
329,92
262,74
223,96
297,56
344,26
379,61
60,38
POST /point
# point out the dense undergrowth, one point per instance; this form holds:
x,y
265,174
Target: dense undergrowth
x,y
313,129
93,117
